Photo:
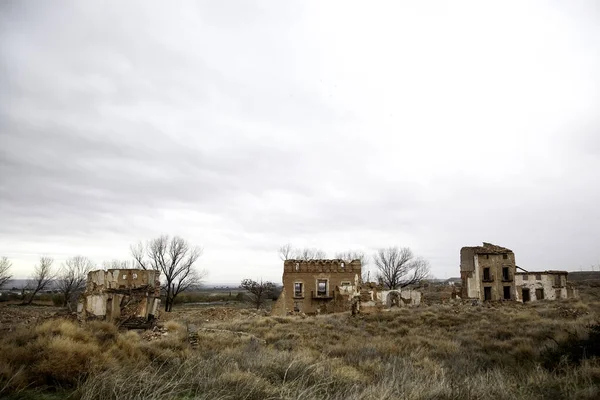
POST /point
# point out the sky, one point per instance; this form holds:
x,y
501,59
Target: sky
x,y
242,126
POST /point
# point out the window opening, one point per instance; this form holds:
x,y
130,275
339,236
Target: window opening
x,y
322,287
539,294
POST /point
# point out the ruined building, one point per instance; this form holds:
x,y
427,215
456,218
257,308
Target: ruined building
x,y
317,286
123,296
547,285
324,286
489,272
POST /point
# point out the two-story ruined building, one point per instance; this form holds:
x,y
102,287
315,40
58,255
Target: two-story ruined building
x,y
489,272
313,286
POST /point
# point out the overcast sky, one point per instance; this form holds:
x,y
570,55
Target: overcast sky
x,y
242,126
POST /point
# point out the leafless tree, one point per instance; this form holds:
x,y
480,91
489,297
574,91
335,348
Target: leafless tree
x,y
258,292
310,253
398,267
5,275
117,264
72,277
43,276
288,252
175,259
351,255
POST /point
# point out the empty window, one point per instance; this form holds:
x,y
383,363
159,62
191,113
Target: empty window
x,y
505,273
297,266
346,283
343,265
557,280
505,256
487,256
486,274
525,277
322,287
487,293
538,277
298,289
539,294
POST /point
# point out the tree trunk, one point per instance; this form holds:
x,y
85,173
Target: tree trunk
x,y
66,298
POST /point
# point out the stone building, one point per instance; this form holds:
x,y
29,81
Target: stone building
x,y
318,286
324,286
124,296
546,285
487,272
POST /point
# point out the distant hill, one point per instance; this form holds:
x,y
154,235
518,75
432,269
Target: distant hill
x,y
580,276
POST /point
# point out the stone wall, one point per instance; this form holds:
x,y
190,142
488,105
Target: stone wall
x,y
549,285
121,295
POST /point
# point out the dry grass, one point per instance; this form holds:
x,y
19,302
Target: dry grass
x,y
442,352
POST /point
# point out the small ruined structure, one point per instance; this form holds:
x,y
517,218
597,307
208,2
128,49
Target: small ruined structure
x,y
324,286
128,297
547,285
489,272
374,295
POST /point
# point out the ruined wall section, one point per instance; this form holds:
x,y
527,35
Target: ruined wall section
x,y
119,295
549,285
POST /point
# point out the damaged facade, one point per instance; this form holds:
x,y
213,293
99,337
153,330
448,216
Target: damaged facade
x,y
323,286
316,286
547,285
489,272
123,296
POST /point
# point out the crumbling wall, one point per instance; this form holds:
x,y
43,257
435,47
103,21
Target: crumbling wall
x,y
278,308
398,297
121,296
550,285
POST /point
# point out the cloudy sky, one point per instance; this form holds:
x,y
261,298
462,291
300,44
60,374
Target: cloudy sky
x,y
242,126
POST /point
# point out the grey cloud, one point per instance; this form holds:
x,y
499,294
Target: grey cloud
x,y
113,113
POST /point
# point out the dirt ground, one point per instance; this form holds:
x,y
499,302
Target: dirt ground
x,y
13,315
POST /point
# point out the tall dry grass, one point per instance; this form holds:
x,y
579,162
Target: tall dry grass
x,y
538,351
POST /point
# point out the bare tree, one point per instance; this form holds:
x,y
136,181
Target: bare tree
x,y
351,255
398,267
258,292
42,277
5,275
309,253
117,264
72,277
288,252
175,259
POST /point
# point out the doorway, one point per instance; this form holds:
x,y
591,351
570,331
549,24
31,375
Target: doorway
x,y
526,296
487,293
539,294
506,292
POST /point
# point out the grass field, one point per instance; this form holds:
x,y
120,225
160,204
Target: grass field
x,y
544,350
